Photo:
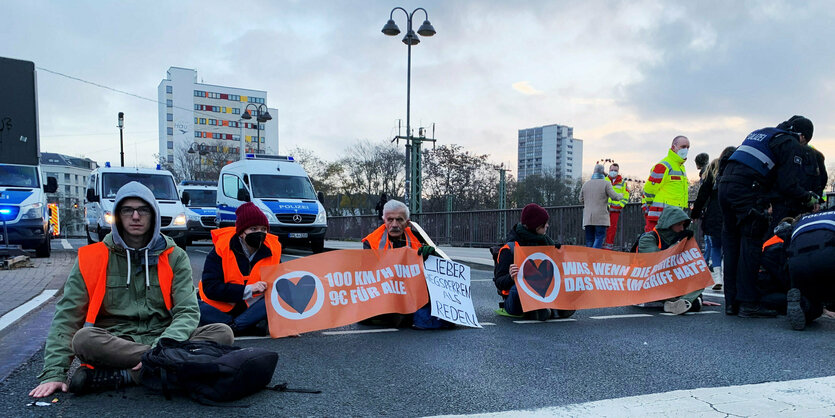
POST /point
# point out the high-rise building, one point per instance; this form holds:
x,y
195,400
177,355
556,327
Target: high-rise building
x,y
207,117
550,149
73,174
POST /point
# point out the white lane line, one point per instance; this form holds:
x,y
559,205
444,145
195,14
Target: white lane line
x,y
66,244
690,313
481,280
360,331
534,321
252,337
715,295
22,310
620,316
486,323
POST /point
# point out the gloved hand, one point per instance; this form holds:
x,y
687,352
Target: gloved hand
x,y
686,234
558,246
425,251
814,199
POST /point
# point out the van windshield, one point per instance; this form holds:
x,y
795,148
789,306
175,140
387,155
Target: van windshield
x,y
161,185
18,176
281,187
201,198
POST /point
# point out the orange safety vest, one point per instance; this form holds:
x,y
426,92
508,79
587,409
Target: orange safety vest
x,y
771,241
92,262
379,239
510,246
231,273
657,238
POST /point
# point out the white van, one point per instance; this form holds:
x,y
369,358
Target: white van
x,y
101,194
23,208
200,200
282,190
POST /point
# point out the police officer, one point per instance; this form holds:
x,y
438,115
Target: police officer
x,y
810,253
766,166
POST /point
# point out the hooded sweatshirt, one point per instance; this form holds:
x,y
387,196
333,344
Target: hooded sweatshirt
x,y
133,304
671,215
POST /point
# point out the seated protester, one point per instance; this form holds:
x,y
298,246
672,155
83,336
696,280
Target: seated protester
x,y
123,294
670,229
231,290
773,279
530,232
396,233
810,253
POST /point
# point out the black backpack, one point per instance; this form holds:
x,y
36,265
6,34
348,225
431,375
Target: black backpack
x,y
207,371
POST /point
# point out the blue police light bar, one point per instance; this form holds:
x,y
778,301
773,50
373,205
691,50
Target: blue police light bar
x,y
269,157
198,183
107,164
159,167
5,211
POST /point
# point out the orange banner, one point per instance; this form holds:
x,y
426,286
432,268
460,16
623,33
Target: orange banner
x,y
338,288
583,278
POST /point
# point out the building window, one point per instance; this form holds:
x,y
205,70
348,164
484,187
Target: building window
x,y
169,117
236,137
170,159
169,89
212,121
169,103
197,134
66,177
67,189
170,130
261,126
197,107
236,111
170,144
202,121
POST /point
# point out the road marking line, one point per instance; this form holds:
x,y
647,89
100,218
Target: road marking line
x,y
620,316
486,323
534,321
716,295
252,337
360,331
481,280
689,313
66,244
202,251
27,307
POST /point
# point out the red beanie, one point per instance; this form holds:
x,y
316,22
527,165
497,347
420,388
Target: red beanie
x,y
249,215
534,216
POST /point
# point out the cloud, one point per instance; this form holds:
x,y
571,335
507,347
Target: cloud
x,y
525,88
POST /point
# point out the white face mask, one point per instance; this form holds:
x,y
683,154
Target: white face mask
x,y
683,153
613,174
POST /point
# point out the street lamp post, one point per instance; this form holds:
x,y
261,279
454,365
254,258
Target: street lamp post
x,y
261,118
121,137
202,151
412,145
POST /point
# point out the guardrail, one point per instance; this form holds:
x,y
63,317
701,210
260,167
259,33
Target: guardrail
x,y
483,228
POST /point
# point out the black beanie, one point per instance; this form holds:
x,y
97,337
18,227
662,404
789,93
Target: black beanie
x,y
801,125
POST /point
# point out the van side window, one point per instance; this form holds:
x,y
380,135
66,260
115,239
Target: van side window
x,y
231,184
91,184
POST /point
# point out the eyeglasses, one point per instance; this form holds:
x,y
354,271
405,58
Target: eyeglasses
x,y
128,211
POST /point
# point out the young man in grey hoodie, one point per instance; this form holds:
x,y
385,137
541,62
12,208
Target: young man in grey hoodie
x,y
122,296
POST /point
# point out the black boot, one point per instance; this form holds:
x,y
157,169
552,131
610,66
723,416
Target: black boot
x,y
794,310
86,380
754,310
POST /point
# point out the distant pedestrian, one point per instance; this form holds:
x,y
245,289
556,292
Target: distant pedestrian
x,y
667,184
595,196
381,204
615,206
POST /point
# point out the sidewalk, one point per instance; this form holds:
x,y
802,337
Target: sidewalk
x,y
22,284
473,256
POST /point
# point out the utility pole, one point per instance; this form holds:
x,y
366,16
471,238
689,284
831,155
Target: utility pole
x,y
502,199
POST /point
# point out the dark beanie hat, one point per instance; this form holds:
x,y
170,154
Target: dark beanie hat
x,y
249,215
801,125
534,216
702,159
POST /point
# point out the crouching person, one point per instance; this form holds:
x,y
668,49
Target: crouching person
x,y
529,232
671,228
232,289
397,233
122,296
810,254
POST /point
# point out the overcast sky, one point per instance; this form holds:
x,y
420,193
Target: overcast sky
x,y
627,75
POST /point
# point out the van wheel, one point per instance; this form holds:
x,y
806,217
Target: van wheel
x,y
317,246
44,250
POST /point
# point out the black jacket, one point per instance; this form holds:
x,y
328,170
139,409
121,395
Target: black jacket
x,y
216,288
783,181
706,207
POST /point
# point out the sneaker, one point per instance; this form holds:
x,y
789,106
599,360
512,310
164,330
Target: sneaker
x,y
677,307
794,311
562,313
717,286
542,314
86,380
754,310
696,305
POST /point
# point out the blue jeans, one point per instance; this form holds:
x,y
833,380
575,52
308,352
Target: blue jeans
x,y
713,250
248,318
512,304
595,234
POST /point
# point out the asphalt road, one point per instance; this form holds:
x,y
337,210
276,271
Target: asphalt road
x,y
501,367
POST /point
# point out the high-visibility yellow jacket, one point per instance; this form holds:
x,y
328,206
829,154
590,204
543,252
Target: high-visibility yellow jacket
x,y
620,187
667,183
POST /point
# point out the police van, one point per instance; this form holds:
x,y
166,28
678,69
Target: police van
x,y
200,200
24,216
101,198
282,190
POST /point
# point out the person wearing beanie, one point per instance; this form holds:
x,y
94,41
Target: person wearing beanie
x,y
768,166
232,289
701,163
530,231
595,196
